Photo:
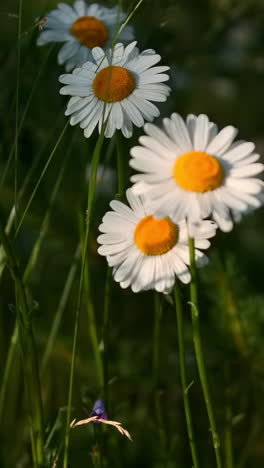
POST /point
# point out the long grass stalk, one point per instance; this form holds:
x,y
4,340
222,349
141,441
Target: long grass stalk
x,y
200,355
184,383
123,25
233,318
254,434
161,425
157,393
17,106
46,221
41,177
156,338
228,437
93,330
228,430
24,114
105,330
121,166
27,273
29,356
8,366
11,218
61,307
90,200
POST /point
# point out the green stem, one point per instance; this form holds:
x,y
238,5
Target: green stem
x,y
28,350
24,114
228,436
11,218
156,338
123,25
28,271
233,318
161,425
17,107
93,331
185,386
90,200
155,376
229,463
9,363
121,166
61,307
199,353
41,177
108,287
255,432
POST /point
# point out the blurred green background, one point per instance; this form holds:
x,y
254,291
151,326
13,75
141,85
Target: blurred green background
x,y
216,53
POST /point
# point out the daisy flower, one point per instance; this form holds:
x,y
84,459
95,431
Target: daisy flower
x,y
191,170
145,252
81,28
117,87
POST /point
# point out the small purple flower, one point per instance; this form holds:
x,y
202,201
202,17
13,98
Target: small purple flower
x,y
99,415
99,410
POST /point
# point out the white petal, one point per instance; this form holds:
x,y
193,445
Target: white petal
x,y
53,36
245,185
80,7
100,56
114,248
91,108
201,133
75,104
157,134
124,210
181,136
248,160
132,112
157,148
68,50
239,151
136,203
222,141
110,238
247,171
124,270
224,224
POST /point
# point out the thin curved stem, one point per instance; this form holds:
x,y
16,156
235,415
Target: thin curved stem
x,y
199,353
61,307
156,338
90,200
107,295
8,366
29,356
27,273
41,177
17,109
24,114
93,331
11,218
123,25
121,166
185,386
229,461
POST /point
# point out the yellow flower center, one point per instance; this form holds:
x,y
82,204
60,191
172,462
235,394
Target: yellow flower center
x,y
156,236
113,84
90,31
198,172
